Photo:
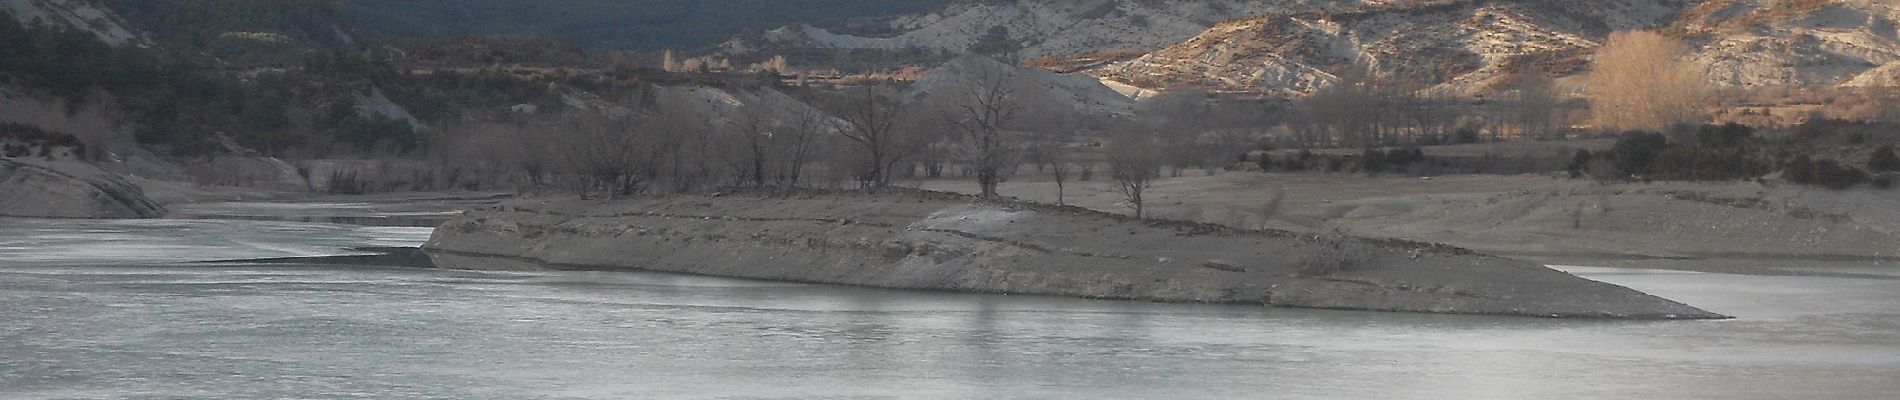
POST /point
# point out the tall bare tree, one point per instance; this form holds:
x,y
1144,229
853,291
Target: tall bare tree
x,y
1060,160
1645,80
796,140
1346,111
1537,104
1179,117
757,128
1133,160
871,116
979,109
604,153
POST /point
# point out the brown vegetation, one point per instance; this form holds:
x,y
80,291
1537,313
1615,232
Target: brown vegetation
x,y
1644,80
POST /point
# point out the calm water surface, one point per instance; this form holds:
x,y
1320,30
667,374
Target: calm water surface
x,y
114,309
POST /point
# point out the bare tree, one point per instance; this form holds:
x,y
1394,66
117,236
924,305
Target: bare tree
x,y
756,129
1181,117
797,140
1133,161
1645,80
1345,111
1053,151
604,153
871,116
686,145
487,153
1537,104
979,109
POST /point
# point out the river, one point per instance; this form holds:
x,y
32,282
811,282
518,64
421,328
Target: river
x,y
123,309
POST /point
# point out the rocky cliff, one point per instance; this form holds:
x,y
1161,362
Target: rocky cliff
x,y
68,189
934,241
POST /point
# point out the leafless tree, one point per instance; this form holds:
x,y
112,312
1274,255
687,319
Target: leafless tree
x,y
1537,105
1052,151
756,129
601,152
1346,110
1181,117
1133,161
1645,80
871,116
796,141
979,109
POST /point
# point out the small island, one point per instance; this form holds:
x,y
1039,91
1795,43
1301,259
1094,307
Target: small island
x,y
923,240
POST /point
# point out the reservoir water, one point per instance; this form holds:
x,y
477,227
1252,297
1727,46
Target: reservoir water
x,y
123,309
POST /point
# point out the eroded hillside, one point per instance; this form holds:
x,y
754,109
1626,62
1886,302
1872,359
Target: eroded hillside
x,y
1471,46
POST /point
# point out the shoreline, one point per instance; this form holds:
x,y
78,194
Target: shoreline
x,y
940,241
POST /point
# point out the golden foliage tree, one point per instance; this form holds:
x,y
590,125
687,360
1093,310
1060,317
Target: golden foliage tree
x,y
1644,80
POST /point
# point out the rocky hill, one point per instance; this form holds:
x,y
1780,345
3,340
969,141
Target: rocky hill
x,y
1471,46
1794,42
1030,28
1457,45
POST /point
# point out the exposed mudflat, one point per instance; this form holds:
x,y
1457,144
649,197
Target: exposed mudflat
x,y
69,189
1746,227
937,241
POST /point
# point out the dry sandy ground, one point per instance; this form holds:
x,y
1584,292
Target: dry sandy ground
x,y
1728,227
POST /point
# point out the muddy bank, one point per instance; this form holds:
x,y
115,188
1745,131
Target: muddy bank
x,y
935,241
1716,227
69,189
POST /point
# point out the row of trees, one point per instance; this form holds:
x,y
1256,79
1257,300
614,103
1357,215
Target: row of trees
x,y
677,140
1640,81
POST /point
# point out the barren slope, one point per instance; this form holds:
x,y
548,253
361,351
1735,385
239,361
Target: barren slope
x,y
1040,27
1468,46
1464,45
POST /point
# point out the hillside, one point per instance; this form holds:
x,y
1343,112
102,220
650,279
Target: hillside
x,y
1471,46
637,25
1770,43
284,30
108,26
1458,45
1030,28
1454,46
1075,92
